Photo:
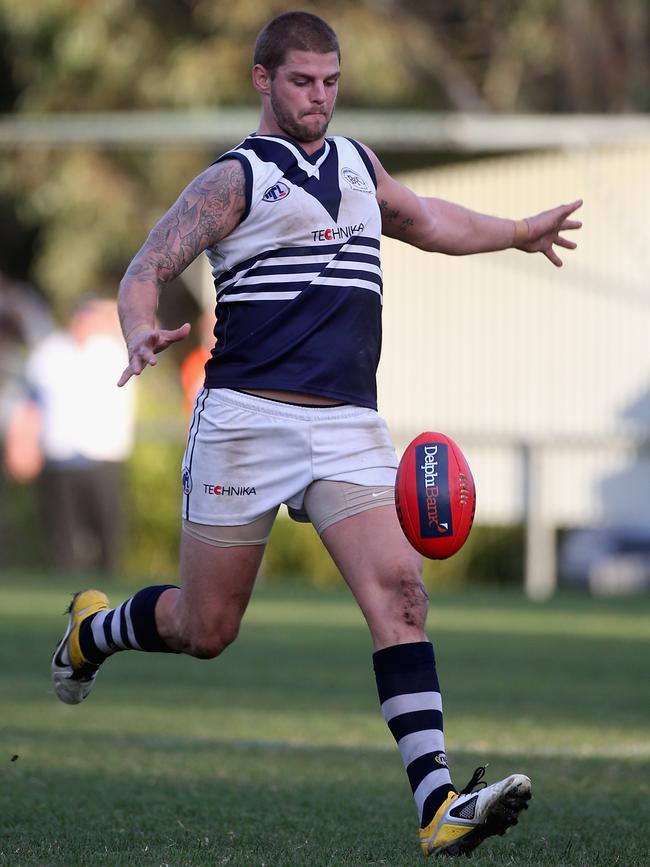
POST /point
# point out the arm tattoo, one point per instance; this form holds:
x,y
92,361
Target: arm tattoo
x,y
206,211
392,216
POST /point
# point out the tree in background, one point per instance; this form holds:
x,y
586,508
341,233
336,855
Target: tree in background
x,y
80,209
534,56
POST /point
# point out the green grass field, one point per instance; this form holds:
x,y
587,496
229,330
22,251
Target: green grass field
x,y
276,754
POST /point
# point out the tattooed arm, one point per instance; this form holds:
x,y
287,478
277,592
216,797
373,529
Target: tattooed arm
x,y
205,213
444,227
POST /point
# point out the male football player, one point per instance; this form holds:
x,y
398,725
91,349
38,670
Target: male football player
x,y
291,222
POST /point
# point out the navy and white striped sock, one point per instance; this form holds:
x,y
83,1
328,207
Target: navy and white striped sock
x,y
130,626
412,707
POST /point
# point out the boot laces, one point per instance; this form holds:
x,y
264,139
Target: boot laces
x,y
475,782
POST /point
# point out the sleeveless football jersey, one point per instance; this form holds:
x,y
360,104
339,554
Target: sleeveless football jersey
x,y
299,288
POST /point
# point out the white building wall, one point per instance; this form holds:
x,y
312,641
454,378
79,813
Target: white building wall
x,y
503,349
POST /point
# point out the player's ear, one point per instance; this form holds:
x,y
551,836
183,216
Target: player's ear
x,y
261,79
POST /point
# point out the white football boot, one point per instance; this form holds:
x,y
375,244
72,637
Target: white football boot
x,y
73,675
466,818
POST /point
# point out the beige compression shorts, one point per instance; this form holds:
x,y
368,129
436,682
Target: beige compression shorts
x,y
325,503
246,455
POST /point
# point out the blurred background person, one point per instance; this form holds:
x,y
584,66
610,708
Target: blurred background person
x,y
74,429
24,320
11,366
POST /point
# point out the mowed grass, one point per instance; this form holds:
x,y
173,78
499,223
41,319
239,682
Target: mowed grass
x,y
276,754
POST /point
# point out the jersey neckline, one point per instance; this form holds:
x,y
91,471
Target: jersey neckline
x,y
311,158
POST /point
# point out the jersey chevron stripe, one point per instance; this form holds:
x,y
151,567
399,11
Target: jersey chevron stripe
x,y
261,296
264,290
355,270
340,283
316,174
353,244
304,161
301,275
347,269
283,262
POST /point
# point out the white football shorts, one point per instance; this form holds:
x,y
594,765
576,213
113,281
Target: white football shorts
x,y
246,455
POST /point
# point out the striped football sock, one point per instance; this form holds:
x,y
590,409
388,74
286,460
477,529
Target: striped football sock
x,y
412,706
130,626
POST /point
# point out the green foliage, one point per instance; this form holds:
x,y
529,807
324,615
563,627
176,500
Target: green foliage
x,y
155,500
92,209
492,556
121,55
295,554
155,477
21,539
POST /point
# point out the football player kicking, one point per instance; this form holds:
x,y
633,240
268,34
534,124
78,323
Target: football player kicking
x,y
291,221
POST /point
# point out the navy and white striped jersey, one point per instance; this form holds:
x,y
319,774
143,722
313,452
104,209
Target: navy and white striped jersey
x,y
299,287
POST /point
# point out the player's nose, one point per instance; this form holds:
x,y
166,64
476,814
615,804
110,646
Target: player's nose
x,y
318,93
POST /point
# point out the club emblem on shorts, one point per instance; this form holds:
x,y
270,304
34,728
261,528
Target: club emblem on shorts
x,y
355,180
276,192
187,481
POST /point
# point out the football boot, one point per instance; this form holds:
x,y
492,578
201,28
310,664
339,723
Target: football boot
x,y
468,817
73,675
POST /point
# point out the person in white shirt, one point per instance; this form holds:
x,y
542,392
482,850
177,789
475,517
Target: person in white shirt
x,y
74,429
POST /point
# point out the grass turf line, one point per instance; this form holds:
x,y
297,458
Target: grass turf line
x,y
276,754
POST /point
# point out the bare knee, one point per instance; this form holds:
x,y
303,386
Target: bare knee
x,y
204,642
201,637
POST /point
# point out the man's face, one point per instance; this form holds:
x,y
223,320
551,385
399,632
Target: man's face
x,y
303,93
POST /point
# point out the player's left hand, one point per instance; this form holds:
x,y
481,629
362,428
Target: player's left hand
x,y
544,231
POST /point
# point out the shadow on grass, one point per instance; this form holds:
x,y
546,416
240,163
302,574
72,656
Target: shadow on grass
x,y
122,801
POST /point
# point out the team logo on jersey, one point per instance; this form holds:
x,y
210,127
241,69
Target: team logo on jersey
x,y
276,192
355,180
187,481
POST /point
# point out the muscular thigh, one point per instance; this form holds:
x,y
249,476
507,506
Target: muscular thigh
x,y
384,573
217,583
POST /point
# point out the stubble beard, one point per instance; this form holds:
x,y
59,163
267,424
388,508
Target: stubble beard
x,y
293,128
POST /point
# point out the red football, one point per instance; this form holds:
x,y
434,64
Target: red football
x,y
435,495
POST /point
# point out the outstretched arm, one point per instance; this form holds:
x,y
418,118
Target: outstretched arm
x,y
444,227
205,213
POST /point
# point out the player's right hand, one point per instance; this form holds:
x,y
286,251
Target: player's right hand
x,y
145,344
